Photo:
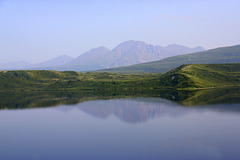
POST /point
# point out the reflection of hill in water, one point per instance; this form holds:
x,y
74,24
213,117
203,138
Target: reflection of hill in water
x,y
22,100
127,107
132,110
142,109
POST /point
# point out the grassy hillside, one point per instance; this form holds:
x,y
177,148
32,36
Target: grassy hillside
x,y
183,77
203,76
69,80
213,56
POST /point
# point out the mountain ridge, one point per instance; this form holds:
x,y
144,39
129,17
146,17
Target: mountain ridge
x,y
230,54
126,53
14,65
139,52
57,61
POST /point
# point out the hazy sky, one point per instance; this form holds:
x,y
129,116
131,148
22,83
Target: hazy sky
x,y
37,30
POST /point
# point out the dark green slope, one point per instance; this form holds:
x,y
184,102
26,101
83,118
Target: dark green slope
x,y
32,80
219,55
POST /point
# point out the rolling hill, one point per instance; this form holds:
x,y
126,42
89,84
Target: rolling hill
x,y
192,76
219,55
201,76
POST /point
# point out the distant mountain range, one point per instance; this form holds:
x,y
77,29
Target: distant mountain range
x,y
14,65
58,61
219,55
125,54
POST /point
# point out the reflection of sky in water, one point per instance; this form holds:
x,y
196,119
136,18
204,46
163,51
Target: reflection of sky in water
x,y
169,131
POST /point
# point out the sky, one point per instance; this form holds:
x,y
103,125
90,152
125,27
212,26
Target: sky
x,y
38,30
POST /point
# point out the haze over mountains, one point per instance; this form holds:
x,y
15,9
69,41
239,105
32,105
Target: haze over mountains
x,y
14,65
58,61
125,54
229,54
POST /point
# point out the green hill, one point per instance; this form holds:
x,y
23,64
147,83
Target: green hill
x,y
201,76
32,80
183,77
214,56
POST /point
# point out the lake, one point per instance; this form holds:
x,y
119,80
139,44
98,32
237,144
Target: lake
x,y
117,127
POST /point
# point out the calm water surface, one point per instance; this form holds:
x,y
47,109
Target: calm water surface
x,y
133,128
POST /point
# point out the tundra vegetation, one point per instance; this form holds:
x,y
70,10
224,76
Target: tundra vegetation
x,y
191,76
